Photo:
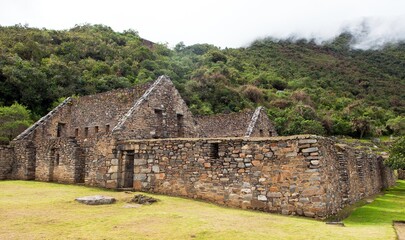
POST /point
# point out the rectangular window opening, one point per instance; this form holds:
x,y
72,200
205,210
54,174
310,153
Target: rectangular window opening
x,y
60,132
86,131
214,150
57,159
261,133
76,132
159,123
107,128
180,125
96,129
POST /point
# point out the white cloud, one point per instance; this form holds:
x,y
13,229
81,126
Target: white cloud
x,y
225,23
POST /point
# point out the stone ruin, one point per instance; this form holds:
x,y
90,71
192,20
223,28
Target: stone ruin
x,y
146,139
143,199
96,200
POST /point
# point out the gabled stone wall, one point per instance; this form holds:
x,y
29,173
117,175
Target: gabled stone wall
x,y
100,113
159,113
263,126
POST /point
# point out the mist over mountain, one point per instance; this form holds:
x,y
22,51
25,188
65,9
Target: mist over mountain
x,y
367,33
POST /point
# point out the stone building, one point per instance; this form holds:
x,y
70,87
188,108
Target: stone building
x,y
146,138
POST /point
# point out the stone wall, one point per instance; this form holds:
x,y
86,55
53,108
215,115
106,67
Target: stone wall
x,y
6,161
24,160
351,174
247,123
107,140
97,154
263,126
99,113
159,113
297,175
59,160
223,125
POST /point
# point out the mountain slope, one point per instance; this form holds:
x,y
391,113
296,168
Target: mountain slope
x,y
307,88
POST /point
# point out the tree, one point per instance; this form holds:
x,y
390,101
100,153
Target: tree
x,y
361,125
397,125
396,159
13,120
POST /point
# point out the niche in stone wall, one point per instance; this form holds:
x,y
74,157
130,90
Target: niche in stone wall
x,y
61,130
214,150
180,125
57,159
53,161
159,124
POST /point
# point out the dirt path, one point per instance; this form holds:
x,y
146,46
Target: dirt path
x,y
400,228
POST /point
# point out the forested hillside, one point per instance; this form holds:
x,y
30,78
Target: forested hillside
x,y
328,89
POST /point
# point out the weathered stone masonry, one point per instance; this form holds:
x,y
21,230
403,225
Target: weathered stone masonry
x,y
298,175
6,157
147,139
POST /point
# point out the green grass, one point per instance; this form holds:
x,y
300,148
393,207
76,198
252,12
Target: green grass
x,y
382,211
35,210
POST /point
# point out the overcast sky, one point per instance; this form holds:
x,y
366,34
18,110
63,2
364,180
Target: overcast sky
x,y
225,23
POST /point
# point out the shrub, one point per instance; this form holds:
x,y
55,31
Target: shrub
x,y
397,155
253,93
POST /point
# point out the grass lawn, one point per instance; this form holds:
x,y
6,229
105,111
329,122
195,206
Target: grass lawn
x,y
35,210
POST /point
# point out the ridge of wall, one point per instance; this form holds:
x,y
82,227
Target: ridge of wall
x,y
253,121
31,129
144,97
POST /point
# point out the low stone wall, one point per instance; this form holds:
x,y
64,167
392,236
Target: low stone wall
x,y
297,175
351,175
6,161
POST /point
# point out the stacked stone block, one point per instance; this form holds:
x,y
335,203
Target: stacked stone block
x,y
297,175
6,161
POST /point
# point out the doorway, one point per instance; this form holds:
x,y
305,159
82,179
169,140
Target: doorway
x,y
129,169
52,159
31,163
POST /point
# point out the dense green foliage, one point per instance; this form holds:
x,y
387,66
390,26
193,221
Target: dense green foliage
x,y
13,120
397,155
307,88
